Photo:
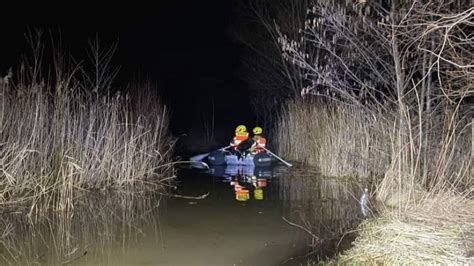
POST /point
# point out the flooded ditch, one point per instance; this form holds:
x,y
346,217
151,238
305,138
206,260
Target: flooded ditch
x,y
249,217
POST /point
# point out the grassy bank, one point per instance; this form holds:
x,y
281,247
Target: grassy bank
x,y
439,230
73,131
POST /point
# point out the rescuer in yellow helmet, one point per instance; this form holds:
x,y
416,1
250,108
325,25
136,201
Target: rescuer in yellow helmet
x,y
241,135
259,141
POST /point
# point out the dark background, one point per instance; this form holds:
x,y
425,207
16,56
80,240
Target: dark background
x,y
186,47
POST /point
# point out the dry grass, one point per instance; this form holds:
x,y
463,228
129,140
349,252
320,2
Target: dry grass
x,y
438,230
61,135
341,140
345,140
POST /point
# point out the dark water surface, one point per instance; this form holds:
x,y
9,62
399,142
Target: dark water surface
x,y
249,217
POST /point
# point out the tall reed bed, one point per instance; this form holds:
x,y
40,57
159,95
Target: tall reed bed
x,y
341,140
60,136
348,140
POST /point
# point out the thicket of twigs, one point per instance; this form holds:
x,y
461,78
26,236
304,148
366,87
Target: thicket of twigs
x,y
398,86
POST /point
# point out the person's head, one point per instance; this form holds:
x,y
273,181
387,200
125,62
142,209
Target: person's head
x,y
257,131
240,129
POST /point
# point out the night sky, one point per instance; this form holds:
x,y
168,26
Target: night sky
x,y
184,46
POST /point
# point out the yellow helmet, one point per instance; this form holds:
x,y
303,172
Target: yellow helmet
x,y
257,130
241,129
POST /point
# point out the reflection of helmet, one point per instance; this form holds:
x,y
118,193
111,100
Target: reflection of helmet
x,y
257,130
258,194
241,129
242,195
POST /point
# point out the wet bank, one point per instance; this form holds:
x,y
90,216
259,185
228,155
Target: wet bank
x,y
249,217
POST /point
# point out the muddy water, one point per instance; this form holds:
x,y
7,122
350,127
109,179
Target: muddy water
x,y
249,217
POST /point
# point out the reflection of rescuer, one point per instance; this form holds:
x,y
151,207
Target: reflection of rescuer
x,y
259,141
259,184
242,192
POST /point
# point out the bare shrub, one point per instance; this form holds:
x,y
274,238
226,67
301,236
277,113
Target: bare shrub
x,y
405,61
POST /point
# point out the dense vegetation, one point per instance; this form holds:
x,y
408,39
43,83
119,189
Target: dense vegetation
x,y
380,90
64,127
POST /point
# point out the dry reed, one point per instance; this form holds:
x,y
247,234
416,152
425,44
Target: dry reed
x,y
345,140
341,140
60,136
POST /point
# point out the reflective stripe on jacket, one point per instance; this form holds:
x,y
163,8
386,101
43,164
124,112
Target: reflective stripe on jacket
x,y
239,137
260,143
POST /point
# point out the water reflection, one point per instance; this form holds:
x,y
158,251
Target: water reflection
x,y
248,182
326,207
239,223
102,224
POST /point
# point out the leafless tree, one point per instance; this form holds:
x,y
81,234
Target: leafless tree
x,y
411,57
270,77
